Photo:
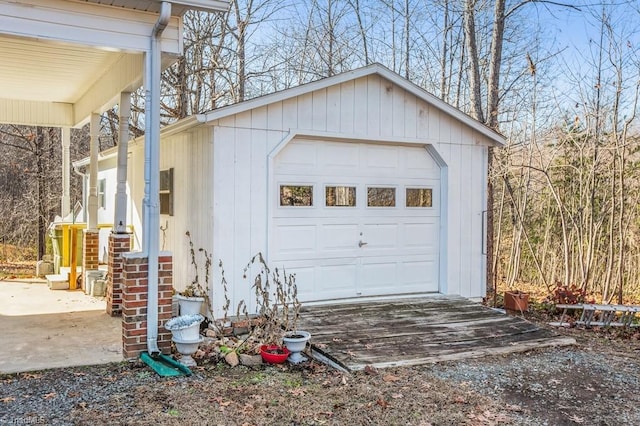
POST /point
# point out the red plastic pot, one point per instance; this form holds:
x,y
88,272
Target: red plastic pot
x,y
274,354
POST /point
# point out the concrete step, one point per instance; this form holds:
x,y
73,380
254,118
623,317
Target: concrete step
x,y
58,282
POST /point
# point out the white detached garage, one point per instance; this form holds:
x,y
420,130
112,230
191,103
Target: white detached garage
x,y
363,184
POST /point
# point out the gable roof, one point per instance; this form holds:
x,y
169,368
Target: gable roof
x,y
372,69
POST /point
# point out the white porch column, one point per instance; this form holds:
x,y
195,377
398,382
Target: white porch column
x,y
92,203
65,202
124,113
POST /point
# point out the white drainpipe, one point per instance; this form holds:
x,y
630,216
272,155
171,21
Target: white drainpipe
x,y
151,205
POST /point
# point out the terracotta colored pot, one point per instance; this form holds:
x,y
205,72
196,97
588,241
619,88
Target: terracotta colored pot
x,y
274,354
516,301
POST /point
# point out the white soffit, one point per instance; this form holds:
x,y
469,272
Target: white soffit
x,y
62,60
35,71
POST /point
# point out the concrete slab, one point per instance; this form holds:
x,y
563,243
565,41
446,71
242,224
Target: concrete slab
x,y
43,328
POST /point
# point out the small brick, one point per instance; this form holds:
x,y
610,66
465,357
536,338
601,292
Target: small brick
x,y
135,304
137,332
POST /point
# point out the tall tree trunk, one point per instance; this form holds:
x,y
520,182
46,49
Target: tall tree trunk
x,y
355,4
444,90
475,94
41,182
497,38
406,40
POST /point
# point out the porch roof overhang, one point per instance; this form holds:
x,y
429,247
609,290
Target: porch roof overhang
x,y
65,59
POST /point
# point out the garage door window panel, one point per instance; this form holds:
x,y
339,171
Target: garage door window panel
x,y
296,195
340,196
381,197
419,197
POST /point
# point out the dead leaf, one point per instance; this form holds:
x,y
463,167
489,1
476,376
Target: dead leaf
x,y
8,399
368,346
220,401
397,395
31,376
576,419
78,374
370,370
297,392
320,345
459,400
73,394
390,378
351,354
50,395
336,339
381,402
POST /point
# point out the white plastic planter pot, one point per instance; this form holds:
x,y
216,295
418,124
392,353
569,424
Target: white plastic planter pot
x,y
190,305
187,349
296,342
185,328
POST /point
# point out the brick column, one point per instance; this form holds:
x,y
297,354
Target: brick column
x,y
118,244
134,303
90,252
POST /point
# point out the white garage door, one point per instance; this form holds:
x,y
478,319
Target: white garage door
x,y
356,220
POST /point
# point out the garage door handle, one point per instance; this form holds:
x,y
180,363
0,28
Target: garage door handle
x,y
362,243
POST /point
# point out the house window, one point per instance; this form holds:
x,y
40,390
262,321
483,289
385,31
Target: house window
x,y
296,195
102,197
340,196
419,197
166,192
381,197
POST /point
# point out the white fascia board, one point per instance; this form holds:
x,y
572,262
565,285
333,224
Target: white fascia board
x,y
441,105
204,5
372,69
107,154
36,113
87,24
179,126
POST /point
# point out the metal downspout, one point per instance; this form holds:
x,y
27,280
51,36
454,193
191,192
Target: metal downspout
x,y
151,235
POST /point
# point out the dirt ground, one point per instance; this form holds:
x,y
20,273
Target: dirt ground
x,y
594,382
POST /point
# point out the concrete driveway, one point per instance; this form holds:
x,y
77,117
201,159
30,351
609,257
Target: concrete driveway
x,y
43,328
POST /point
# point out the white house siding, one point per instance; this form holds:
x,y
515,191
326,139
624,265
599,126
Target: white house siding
x,y
369,108
223,177
190,155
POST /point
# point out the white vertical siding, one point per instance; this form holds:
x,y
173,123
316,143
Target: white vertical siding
x,y
221,176
190,156
347,108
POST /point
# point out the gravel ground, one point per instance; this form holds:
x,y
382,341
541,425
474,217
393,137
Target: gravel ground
x,y
595,382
